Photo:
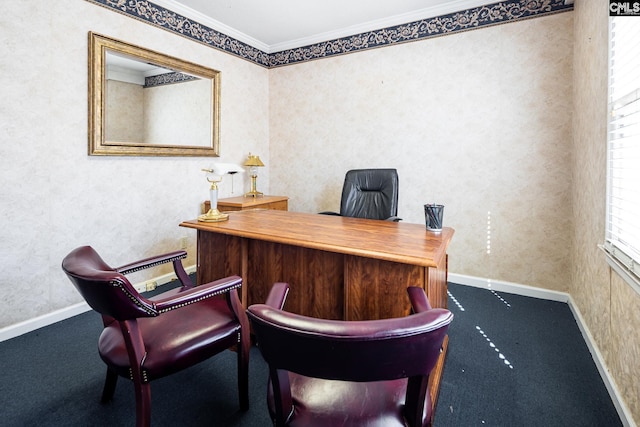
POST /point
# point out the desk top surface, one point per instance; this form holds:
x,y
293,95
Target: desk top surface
x,y
391,241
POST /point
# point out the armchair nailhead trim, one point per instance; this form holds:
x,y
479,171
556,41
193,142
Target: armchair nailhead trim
x,y
198,299
164,261
145,376
133,298
152,312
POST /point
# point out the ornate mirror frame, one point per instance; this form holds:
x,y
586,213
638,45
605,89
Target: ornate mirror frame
x,y
98,145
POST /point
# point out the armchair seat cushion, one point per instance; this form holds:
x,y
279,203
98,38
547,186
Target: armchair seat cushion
x,y
175,340
320,403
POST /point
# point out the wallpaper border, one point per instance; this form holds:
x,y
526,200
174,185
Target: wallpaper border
x,y
465,20
166,19
167,79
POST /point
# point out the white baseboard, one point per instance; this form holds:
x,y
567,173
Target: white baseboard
x,y
623,411
30,325
529,291
513,288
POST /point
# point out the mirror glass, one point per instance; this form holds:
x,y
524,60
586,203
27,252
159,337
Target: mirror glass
x,y
146,103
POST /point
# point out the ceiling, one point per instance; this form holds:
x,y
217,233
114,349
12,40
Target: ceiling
x,y
277,25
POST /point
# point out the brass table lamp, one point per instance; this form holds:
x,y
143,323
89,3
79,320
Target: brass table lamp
x,y
253,162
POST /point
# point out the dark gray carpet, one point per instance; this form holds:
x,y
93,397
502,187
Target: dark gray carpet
x,y
518,361
546,376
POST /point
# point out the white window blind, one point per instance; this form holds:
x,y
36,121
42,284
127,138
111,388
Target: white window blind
x,y
622,240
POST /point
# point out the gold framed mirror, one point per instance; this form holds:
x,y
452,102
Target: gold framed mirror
x,y
145,103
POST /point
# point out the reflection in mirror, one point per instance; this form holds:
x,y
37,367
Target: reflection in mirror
x,y
146,103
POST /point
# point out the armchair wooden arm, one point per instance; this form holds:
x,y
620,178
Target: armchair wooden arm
x,y
419,300
197,294
277,295
175,257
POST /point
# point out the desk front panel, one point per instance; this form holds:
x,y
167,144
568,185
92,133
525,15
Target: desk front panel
x,y
322,284
219,255
315,277
377,289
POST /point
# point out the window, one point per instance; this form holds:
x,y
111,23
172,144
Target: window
x,y
622,240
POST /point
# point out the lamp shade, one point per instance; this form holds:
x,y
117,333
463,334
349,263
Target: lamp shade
x,y
226,168
253,161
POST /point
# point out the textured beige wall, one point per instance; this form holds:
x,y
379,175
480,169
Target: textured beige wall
x,y
479,121
608,305
53,196
623,347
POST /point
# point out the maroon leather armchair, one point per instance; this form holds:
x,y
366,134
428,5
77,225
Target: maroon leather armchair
x,y
149,338
349,373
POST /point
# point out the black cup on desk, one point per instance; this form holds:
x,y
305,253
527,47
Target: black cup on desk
x,y
433,216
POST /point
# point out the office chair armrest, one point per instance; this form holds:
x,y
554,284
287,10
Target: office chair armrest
x,y
151,262
419,300
329,213
197,293
394,219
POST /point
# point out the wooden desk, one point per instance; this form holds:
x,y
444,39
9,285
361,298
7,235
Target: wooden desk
x,y
242,203
337,267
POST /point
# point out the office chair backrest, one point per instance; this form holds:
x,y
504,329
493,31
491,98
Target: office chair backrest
x,y
370,193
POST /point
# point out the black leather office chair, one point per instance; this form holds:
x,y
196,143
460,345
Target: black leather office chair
x,y
370,193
